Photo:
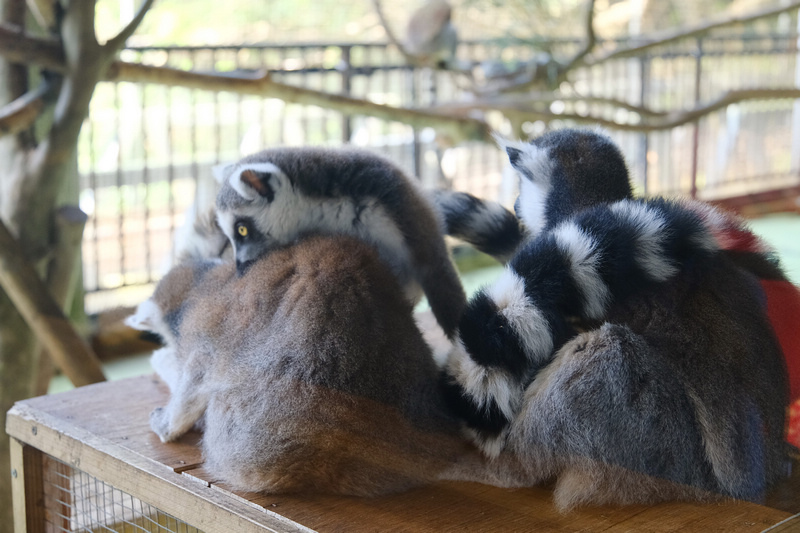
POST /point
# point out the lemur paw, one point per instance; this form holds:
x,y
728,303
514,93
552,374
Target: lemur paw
x,y
159,423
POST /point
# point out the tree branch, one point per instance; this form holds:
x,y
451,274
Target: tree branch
x,y
17,46
649,120
591,38
455,128
20,114
557,71
389,32
30,296
114,45
672,36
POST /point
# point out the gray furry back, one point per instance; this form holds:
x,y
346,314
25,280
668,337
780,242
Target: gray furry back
x,y
307,372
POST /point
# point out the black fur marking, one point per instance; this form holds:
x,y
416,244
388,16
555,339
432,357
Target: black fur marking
x,y
547,275
152,337
174,318
489,421
489,338
243,266
513,155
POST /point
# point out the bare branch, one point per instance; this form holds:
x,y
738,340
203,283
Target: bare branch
x,y
30,296
19,47
454,128
649,120
591,38
702,29
530,76
118,42
22,112
390,32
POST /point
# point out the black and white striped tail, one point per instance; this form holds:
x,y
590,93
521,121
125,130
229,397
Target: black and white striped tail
x,y
511,329
486,225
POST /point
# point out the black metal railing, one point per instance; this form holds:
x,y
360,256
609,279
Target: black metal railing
x,y
147,150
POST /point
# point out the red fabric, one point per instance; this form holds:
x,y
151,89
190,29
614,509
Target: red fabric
x,y
793,426
783,302
783,308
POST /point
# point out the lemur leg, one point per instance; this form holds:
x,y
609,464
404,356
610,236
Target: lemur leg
x,y
511,329
186,406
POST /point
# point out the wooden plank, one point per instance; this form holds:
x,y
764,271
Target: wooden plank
x,y
791,524
27,488
475,507
103,429
57,491
152,482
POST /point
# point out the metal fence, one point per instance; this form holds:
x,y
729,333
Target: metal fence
x,y
146,151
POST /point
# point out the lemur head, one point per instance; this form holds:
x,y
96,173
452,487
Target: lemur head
x,y
563,172
243,206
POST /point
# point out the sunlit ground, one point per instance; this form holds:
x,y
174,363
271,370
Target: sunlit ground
x,y
781,231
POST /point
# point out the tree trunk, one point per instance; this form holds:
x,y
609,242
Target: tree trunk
x,y
31,179
17,357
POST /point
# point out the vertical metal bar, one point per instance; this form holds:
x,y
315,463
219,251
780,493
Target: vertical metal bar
x,y
217,113
193,122
347,87
93,187
146,183
170,170
696,128
120,185
644,87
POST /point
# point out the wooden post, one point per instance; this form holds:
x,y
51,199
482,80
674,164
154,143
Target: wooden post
x,y
62,278
27,488
29,294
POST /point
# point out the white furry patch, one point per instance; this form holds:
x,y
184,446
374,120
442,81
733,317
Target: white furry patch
x,y
508,294
583,256
532,203
484,385
240,186
535,169
165,364
147,317
651,229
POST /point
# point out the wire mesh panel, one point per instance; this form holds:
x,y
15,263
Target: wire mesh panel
x,y
78,502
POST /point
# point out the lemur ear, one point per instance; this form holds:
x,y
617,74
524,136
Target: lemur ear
x,y
221,171
255,180
514,149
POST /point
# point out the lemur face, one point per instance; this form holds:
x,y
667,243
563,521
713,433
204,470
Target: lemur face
x,y
247,210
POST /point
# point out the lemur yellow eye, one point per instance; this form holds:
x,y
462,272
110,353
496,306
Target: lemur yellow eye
x,y
242,229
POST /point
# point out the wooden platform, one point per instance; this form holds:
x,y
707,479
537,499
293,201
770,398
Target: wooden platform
x,y
103,430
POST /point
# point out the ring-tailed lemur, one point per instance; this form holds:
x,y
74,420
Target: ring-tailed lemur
x,y
271,198
677,386
306,371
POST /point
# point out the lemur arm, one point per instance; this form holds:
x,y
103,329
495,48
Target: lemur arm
x,y
511,329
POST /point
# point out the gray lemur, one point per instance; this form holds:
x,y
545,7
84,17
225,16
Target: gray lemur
x,y
307,372
675,388
272,198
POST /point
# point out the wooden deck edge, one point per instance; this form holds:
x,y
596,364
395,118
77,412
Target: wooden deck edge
x,y
148,480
